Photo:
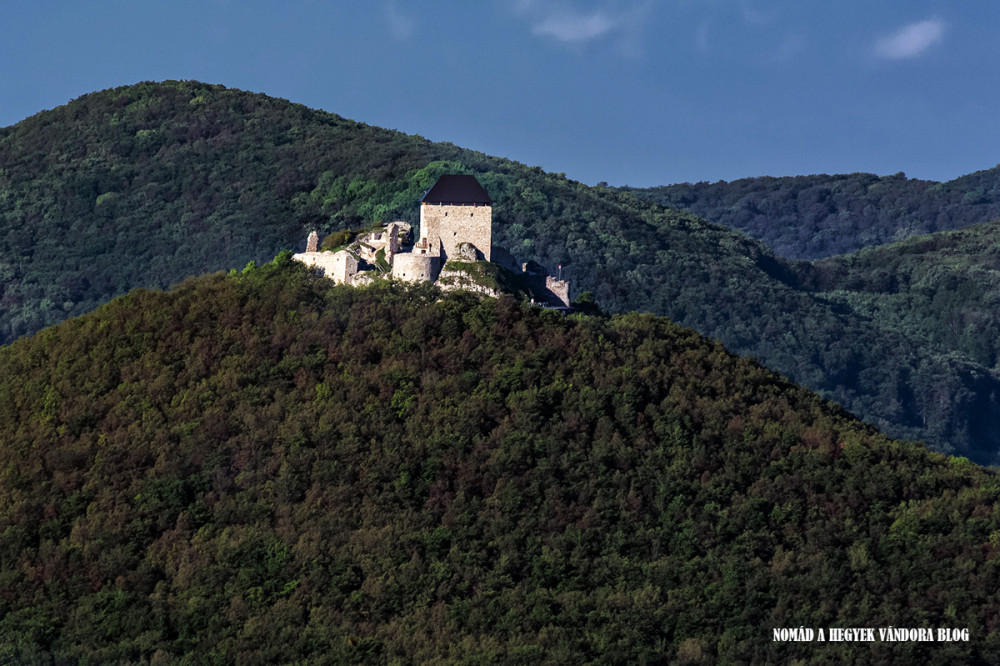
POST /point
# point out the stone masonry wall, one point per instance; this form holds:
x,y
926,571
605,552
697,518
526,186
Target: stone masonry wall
x,y
413,267
458,224
338,266
558,288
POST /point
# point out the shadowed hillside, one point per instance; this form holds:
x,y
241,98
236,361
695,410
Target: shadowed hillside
x,y
144,185
264,467
943,287
811,217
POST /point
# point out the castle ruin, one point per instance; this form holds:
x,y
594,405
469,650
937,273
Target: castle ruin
x,y
456,225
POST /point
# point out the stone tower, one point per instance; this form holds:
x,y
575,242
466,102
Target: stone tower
x,y
457,210
312,242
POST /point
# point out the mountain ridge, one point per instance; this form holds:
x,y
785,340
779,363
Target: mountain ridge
x,y
141,186
818,216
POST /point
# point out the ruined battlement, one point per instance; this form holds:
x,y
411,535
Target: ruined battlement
x,y
339,266
456,224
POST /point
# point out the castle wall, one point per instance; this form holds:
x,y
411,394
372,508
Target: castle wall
x,y
411,267
558,288
448,231
341,267
451,225
402,234
392,242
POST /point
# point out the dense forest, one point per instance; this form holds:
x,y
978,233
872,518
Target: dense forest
x,y
812,217
144,185
944,287
264,467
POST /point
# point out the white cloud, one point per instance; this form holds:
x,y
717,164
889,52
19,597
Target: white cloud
x,y
563,21
400,25
569,26
911,40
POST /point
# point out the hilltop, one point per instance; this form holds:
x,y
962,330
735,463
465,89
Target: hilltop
x,y
266,467
813,217
142,186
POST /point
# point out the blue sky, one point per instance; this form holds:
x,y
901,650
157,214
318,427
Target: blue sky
x,y
636,92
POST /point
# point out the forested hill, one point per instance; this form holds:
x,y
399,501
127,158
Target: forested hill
x,y
264,467
811,217
145,185
943,287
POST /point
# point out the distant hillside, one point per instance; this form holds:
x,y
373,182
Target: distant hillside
x,y
944,288
144,185
811,217
267,468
